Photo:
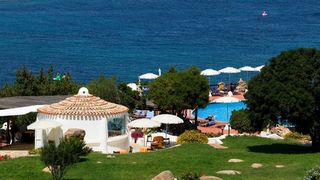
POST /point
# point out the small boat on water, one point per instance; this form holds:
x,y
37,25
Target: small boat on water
x,y
264,13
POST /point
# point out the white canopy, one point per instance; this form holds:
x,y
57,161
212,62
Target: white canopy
x,y
259,68
148,76
19,111
209,72
247,68
167,119
226,99
44,125
229,70
144,123
133,86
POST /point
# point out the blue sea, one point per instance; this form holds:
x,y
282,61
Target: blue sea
x,y
126,38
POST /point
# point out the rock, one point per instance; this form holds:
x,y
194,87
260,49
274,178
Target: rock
x,y
210,178
46,169
165,175
229,172
75,132
235,160
99,162
274,136
279,166
256,165
280,130
110,156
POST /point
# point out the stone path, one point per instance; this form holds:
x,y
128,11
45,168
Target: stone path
x,y
256,165
218,146
14,153
229,172
235,160
210,178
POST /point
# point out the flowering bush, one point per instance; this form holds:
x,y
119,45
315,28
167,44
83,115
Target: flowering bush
x,y
4,157
297,136
136,134
192,137
313,174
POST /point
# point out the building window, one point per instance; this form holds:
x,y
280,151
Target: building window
x,y
116,126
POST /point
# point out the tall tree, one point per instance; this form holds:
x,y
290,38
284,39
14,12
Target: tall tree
x,y
176,91
288,88
25,84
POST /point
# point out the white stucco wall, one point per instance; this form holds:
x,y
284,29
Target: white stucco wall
x,y
92,127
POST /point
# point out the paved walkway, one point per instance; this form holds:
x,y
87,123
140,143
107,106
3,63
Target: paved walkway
x,y
216,129
14,153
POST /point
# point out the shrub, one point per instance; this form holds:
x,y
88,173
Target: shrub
x,y
313,174
4,157
58,158
192,137
214,134
35,151
297,136
240,121
190,176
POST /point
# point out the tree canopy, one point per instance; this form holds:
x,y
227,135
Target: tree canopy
x,y
29,84
179,90
109,90
288,89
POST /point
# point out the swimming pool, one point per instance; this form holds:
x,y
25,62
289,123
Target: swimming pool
x,y
222,111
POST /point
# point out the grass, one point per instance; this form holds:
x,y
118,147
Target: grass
x,y
194,157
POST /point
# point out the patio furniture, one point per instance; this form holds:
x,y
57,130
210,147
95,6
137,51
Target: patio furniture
x,y
158,142
166,141
145,149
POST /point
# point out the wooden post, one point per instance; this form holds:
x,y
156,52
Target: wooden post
x,y
8,131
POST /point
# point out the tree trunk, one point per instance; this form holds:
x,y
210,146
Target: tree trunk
x,y
196,118
315,136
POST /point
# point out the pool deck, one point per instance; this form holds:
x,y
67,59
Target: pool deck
x,y
216,129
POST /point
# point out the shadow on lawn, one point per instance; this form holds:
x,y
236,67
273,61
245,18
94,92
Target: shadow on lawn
x,y
278,148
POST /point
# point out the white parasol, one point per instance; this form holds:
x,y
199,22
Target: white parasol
x,y
148,76
209,72
259,68
144,123
167,119
133,86
229,70
247,69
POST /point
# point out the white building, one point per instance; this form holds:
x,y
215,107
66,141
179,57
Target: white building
x,y
104,122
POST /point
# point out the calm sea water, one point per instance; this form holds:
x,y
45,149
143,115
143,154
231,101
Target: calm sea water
x,y
126,38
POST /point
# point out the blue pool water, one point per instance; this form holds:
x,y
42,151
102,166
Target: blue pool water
x,y
222,111
126,38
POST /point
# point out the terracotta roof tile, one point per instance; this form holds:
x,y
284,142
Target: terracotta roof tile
x,y
83,105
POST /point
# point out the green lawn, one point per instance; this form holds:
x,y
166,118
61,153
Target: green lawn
x,y
195,157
